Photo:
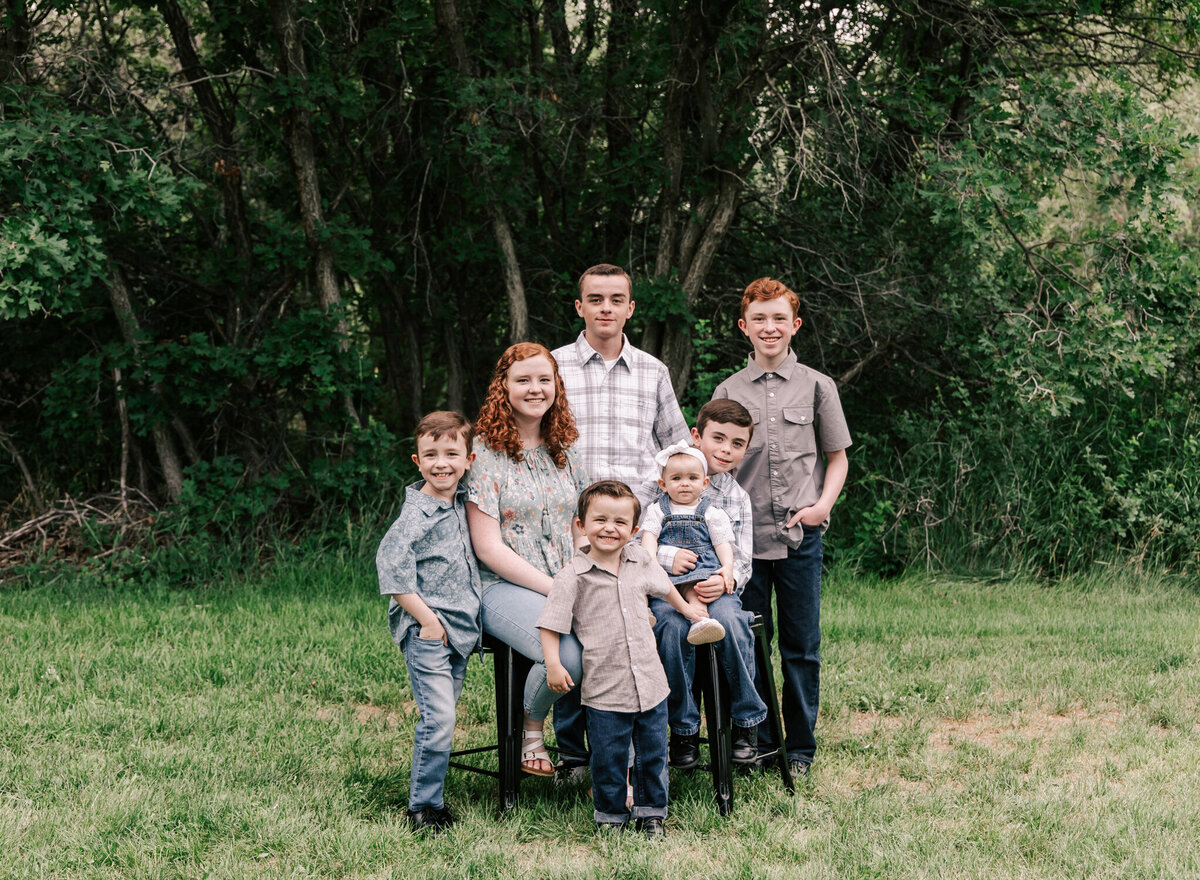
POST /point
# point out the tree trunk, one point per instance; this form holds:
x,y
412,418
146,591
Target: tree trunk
x,y
164,445
35,497
227,168
402,352
446,12
454,368
14,41
297,125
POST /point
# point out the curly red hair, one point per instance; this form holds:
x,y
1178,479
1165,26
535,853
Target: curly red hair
x,y
495,424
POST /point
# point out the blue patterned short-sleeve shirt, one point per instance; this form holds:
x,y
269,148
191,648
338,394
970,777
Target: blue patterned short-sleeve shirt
x,y
533,501
428,551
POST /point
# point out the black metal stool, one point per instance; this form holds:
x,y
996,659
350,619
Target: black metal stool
x,y
714,692
511,668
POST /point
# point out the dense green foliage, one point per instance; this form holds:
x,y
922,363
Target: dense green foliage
x,y
244,246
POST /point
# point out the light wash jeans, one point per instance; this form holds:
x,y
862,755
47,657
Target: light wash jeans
x,y
436,674
510,613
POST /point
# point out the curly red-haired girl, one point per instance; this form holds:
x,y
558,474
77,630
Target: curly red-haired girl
x,y
522,491
498,426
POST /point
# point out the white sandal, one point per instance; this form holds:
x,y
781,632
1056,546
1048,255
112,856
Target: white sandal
x,y
533,748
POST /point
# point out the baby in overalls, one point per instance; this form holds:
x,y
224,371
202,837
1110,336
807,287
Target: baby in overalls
x,y
684,520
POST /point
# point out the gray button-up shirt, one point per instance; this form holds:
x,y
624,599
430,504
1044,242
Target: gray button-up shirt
x,y
797,420
624,414
428,551
621,669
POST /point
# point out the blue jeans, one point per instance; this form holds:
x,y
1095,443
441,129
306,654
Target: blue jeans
x,y
610,734
736,654
436,674
570,726
510,614
796,580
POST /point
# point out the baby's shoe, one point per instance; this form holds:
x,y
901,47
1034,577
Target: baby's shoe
x,y
705,631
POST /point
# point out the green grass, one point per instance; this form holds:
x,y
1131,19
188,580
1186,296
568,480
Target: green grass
x,y
968,729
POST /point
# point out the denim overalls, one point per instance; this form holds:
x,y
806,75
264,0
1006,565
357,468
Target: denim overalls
x,y
689,531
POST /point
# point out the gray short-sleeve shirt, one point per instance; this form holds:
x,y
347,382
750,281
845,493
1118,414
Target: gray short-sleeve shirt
x,y
798,418
428,551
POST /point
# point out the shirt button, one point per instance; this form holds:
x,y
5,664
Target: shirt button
x,y
774,473
770,394
770,375
772,418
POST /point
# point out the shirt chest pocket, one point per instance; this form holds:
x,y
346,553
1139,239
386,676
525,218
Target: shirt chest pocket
x,y
759,433
799,435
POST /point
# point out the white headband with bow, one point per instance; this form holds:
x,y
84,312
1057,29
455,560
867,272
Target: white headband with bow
x,y
681,448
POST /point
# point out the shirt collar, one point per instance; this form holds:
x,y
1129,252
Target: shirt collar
x,y
784,369
581,562
430,505
719,482
585,351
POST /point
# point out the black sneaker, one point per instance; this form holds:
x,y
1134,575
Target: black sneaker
x,y
683,753
799,769
652,827
430,819
570,770
611,827
745,745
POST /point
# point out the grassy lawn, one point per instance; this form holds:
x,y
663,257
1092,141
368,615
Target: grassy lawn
x,y
968,729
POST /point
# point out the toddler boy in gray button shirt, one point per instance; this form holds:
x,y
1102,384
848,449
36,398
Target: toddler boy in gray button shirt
x,y
601,595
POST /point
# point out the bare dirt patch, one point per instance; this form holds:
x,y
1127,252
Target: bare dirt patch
x,y
1035,725
365,713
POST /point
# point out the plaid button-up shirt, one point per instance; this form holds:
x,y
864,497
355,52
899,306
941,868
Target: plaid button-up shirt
x,y
625,413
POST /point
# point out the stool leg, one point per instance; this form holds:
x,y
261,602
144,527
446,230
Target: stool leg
x,y
716,715
762,656
508,727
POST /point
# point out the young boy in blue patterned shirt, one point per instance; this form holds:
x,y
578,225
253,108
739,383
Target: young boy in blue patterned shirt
x,y
426,564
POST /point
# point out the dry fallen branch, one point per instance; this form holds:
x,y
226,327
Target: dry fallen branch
x,y
70,529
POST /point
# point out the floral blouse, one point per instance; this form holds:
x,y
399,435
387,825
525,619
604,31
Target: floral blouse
x,y
533,501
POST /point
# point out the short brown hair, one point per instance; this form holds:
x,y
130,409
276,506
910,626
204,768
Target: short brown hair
x,y
763,289
442,422
608,489
603,269
726,412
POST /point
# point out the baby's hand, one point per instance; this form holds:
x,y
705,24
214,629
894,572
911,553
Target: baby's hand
x,y
711,588
727,576
697,611
685,561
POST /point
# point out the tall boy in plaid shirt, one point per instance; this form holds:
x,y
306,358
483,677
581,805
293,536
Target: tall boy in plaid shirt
x,y
625,410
